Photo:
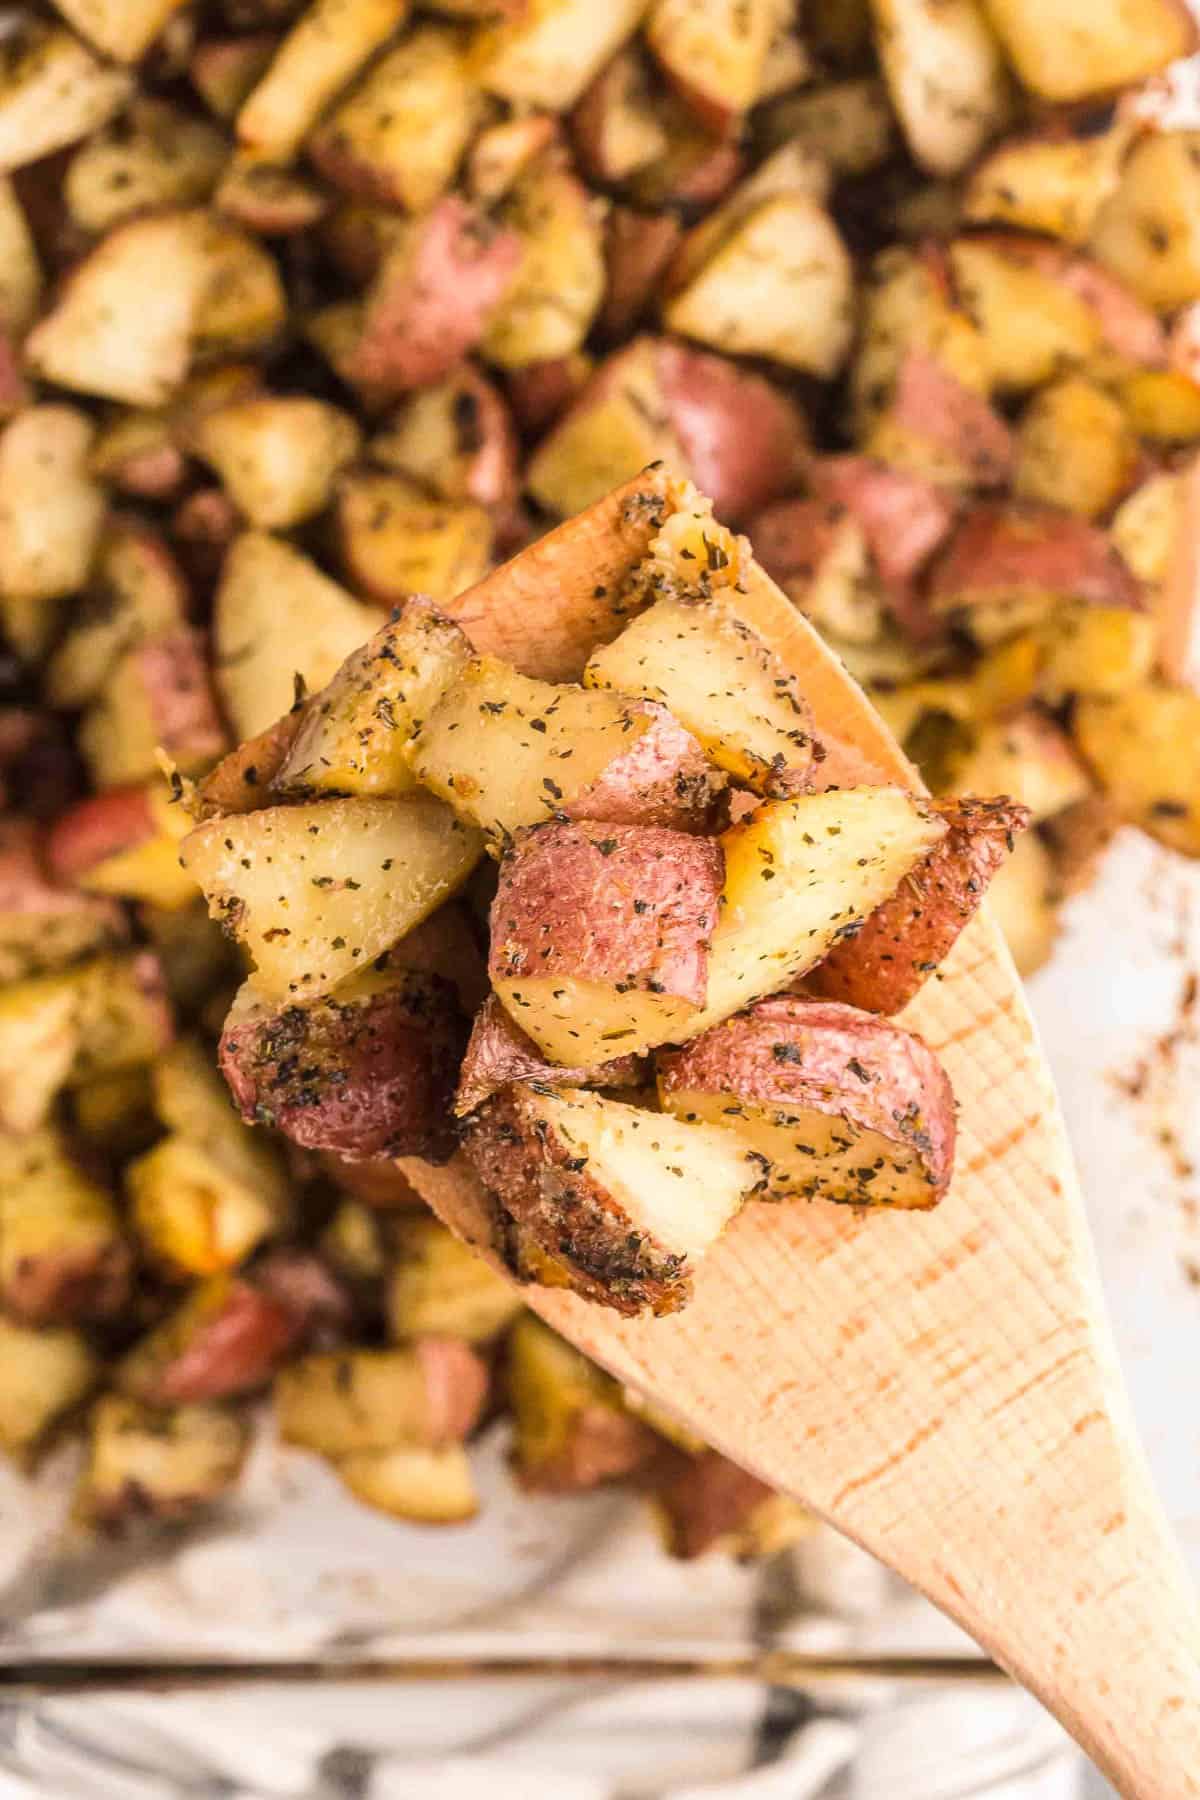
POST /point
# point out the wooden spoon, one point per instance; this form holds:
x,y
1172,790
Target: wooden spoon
x,y
941,1386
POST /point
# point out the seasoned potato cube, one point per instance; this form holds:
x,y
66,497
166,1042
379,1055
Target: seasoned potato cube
x,y
277,456
123,1015
500,1053
721,682
946,77
260,646
122,29
115,1114
227,1338
1144,747
194,1212
1095,650
908,305
399,135
615,128
350,876
63,1254
328,44
558,285
1023,902
1074,49
714,52
271,201
135,592
159,1463
626,1201
1162,404
831,1102
44,926
1054,178
125,842
158,697
54,91
45,1374
571,1428
39,1040
501,151
395,541
456,438
347,1401
706,1504
1148,234
600,936
548,52
437,1286
224,70
848,123
156,156
1076,448
1025,756
51,510
352,735
20,269
506,751
426,1487
242,305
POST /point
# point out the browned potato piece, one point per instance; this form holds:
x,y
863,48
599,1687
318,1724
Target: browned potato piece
x,y
395,541
939,428
507,751
124,841
545,55
909,304
638,250
1074,49
548,308
1149,232
1023,901
147,1462
242,305
277,456
400,133
946,76
122,29
224,70
626,1201
369,1071
884,964
227,1338
600,936
714,53
1144,746
352,877
352,735
51,510
500,1053
1076,449
571,1429
135,592
437,1286
326,46
1025,755
1054,178
426,1487
260,647
240,783
54,91
830,1102
615,127
157,156
63,1255
44,925
348,1401
271,201
20,268
503,150
456,438
158,697
848,123
708,1505
46,1373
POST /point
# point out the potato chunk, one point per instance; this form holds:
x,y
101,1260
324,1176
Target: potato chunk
x,y
277,456
396,542
157,697
343,1402
147,1462
1148,234
328,44
54,91
500,1053
600,936
227,1338
426,1487
946,77
1074,49
506,751
1054,178
437,1286
136,591
571,1428
51,510
832,1103
63,1254
349,877
707,1505
547,53
1144,745
45,1374
1076,449
721,682
626,1201
44,926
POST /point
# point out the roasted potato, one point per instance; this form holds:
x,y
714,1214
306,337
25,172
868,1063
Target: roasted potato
x,y
45,923
1072,51
437,1286
124,842
157,698
1076,448
1144,747
456,438
1053,178
51,510
395,541
706,1504
1024,755
160,1463
326,46
46,1372
849,124
546,54
1023,901
946,77
817,552
64,1257
277,456
54,92
499,1053
625,1200
571,1428
157,155
227,1338
714,53
1148,233
426,1487
135,591
548,307
426,1396
615,127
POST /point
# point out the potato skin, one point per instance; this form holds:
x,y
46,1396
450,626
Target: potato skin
x,y
830,1059
68,923
241,781
1010,546
233,1350
664,779
743,439
888,960
638,248
620,903
707,1498
93,1283
904,518
933,405
500,1053
362,1077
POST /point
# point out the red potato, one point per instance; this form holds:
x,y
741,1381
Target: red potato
x,y
241,781
45,925
307,1289
432,299
624,1201
124,841
1126,326
346,1401
1008,565
571,1430
831,1103
904,517
615,125
708,1504
376,1181
965,439
714,53
159,696
638,250
696,172
499,1053
227,1338
135,591
64,1257
223,71
542,391
369,1071
600,936
890,958
817,552
457,438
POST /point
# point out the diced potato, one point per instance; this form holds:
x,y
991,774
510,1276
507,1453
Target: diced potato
x,y
323,866
228,1337
1053,179
1148,234
615,127
1031,325
456,438
39,1039
122,29
1074,49
559,283
395,541
714,53
946,76
277,456
157,698
272,201
20,268
326,46
571,1427
46,1373
1161,404
1022,903
1095,650
223,71
502,151
848,123
156,156
114,333
161,1463
1026,756
195,1212
399,135
721,682
1076,448
261,646
1143,527
53,92
353,1243
907,306
708,1505
242,305
114,1113
499,1053
1144,747
348,1401
546,55
51,510
125,842
426,1487
792,169
135,592
63,1253
352,736
45,922
618,425
779,285
437,1286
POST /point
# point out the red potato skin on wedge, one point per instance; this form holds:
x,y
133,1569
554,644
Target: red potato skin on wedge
x,y
64,1288
904,519
607,902
430,308
1011,546
306,1288
499,1053
456,1386
1127,326
174,674
362,1078
744,441
890,958
664,779
542,391
241,781
934,405
830,1059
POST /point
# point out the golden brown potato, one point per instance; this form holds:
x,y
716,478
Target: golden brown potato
x,y
1144,747
64,1257
226,1338
115,1114
558,285
818,553
1160,404
277,456
1053,178
1030,324
54,92
425,1396
395,541
884,964
125,842
158,697
946,77
45,922
1076,448
850,124
20,267
271,201
1026,756
615,127
157,1463
626,1200
437,1286
224,70
1074,49
1148,234
909,304
499,1053
51,510
135,591
502,150
1023,902
1094,650
326,46
352,875
714,53
571,1428
706,1504
426,1487
546,54
242,305
122,29
156,156
456,438
831,1103
940,430
46,1373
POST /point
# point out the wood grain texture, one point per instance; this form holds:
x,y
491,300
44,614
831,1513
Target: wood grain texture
x,y
942,1387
